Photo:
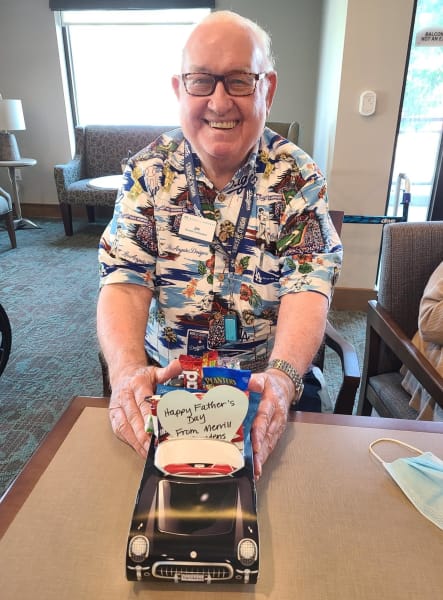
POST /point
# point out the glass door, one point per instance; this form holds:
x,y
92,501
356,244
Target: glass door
x,y
417,157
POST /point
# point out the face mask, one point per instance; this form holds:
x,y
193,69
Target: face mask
x,y
420,478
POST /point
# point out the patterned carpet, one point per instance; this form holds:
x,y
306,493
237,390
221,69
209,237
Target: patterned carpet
x,y
48,286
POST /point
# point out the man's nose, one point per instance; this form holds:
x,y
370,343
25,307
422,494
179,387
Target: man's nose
x,y
220,100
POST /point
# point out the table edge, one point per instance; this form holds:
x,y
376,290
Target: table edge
x,y
369,422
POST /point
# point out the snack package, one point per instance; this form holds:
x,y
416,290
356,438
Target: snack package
x,y
213,376
193,369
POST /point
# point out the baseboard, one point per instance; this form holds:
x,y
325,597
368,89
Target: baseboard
x,y
344,298
42,211
352,298
52,211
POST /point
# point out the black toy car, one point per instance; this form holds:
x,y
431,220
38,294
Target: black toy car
x,y
195,518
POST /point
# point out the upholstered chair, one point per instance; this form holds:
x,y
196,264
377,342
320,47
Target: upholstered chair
x,y
409,255
288,130
7,216
99,152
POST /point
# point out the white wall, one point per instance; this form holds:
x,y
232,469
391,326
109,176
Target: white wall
x,y
30,70
359,161
356,152
329,79
295,28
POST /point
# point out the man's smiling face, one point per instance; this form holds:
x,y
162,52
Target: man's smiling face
x,y
222,129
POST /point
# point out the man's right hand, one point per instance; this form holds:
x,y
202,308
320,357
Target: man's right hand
x,y
128,409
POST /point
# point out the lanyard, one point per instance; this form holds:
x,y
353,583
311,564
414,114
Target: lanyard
x,y
229,250
191,180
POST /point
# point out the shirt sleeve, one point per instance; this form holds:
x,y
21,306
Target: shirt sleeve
x,y
311,250
431,309
128,246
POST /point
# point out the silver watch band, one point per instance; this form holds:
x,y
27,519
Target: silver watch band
x,y
291,372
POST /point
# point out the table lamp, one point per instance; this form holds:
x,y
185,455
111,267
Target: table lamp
x,y
11,118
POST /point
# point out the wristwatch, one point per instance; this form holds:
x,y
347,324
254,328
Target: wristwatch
x,y
294,376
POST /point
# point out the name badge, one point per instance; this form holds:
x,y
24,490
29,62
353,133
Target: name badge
x,y
197,228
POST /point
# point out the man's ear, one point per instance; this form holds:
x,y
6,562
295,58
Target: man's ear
x,y
176,85
272,87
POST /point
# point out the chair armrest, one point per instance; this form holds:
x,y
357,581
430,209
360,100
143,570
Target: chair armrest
x,y
67,173
381,321
5,338
344,403
4,194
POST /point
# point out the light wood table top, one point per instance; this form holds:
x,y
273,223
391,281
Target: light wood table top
x,y
333,524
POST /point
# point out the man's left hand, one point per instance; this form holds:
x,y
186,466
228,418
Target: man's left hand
x,y
277,392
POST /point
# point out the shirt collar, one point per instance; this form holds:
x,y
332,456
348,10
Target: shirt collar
x,y
245,169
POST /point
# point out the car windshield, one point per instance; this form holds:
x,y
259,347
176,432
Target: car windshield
x,y
197,508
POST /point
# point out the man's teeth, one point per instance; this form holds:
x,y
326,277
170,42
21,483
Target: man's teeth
x,y
223,124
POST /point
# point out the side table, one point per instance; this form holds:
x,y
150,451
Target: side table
x,y
108,182
12,165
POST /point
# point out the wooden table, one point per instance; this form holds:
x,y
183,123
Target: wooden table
x,y
333,524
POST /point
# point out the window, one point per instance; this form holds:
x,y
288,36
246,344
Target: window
x,y
120,63
420,136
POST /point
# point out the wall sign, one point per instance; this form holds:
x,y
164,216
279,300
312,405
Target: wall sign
x,y
429,36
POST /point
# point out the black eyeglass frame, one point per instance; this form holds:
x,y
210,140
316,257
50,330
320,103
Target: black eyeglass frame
x,y
222,78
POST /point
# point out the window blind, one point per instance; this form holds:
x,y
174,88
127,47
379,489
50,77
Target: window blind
x,y
128,5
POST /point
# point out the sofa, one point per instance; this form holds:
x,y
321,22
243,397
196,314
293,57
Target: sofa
x,y
100,150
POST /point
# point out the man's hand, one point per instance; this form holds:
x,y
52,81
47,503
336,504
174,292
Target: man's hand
x,y
128,409
277,392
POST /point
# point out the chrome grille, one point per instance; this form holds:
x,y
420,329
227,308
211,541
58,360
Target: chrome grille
x,y
193,572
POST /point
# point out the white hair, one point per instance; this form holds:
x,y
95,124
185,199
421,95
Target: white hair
x,y
262,36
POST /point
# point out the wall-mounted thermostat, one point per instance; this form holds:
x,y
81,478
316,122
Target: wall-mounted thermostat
x,y
368,100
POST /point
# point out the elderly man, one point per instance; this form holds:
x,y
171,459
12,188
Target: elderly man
x,y
220,239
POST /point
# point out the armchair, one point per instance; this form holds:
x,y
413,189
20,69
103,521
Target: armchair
x,y
288,130
410,253
345,351
99,151
6,214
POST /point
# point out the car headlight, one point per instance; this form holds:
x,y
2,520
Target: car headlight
x,y
247,552
139,548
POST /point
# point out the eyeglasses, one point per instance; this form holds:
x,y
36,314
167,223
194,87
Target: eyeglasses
x,y
236,83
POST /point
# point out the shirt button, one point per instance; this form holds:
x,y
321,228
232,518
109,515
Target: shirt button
x,y
221,197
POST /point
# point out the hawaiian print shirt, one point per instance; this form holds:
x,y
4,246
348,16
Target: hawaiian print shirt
x,y
202,300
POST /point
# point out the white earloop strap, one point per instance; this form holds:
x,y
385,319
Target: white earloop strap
x,y
400,443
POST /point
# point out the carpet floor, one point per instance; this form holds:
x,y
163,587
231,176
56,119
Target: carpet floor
x,y
48,287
